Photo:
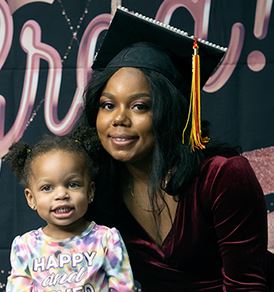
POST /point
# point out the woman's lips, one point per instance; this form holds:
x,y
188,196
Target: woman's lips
x,y
123,140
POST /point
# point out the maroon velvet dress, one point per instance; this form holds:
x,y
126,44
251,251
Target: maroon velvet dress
x,y
218,240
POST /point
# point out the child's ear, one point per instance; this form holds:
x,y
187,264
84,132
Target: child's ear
x,y
91,192
30,198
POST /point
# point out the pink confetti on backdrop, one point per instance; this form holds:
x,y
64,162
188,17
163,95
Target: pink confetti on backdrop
x,y
262,161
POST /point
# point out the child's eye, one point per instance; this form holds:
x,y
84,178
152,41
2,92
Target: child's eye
x,y
46,188
74,185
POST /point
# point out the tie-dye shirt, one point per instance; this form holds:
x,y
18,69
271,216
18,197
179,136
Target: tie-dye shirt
x,y
96,260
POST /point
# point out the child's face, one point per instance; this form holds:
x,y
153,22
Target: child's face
x,y
60,190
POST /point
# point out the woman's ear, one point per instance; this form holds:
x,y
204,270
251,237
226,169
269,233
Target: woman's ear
x,y
30,198
91,192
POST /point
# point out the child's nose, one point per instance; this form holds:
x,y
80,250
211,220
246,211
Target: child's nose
x,y
62,194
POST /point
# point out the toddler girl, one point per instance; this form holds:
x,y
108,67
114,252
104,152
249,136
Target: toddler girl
x,y
70,253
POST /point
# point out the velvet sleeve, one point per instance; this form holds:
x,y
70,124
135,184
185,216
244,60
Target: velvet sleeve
x,y
238,213
19,279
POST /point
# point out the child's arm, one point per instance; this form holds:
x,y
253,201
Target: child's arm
x,y
117,264
19,279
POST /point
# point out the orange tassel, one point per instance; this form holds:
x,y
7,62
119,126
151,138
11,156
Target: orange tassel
x,y
196,140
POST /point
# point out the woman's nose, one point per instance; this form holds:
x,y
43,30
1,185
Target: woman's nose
x,y
121,118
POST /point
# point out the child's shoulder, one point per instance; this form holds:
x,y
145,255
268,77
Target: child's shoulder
x,y
36,233
104,231
103,228
28,239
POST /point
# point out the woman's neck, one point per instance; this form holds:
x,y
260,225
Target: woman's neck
x,y
138,175
156,215
139,171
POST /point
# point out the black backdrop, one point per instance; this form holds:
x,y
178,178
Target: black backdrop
x,y
40,40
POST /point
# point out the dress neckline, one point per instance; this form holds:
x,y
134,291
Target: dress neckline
x,y
162,249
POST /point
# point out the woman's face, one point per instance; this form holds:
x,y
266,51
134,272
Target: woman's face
x,y
124,120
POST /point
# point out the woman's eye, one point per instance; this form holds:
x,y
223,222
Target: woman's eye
x,y
46,188
141,107
107,105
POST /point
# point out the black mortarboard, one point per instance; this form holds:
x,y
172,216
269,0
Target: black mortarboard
x,y
128,28
133,40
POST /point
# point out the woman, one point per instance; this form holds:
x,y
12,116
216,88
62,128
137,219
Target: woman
x,y
191,220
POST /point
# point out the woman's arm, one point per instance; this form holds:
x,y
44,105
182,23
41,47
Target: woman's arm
x,y
239,217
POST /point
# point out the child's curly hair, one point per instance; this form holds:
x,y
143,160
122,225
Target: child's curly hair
x,y
84,141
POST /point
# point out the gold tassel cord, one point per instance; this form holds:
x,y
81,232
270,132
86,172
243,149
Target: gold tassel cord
x,y
196,140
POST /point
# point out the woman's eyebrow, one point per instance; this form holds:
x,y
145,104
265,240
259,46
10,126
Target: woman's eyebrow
x,y
106,94
140,95
135,95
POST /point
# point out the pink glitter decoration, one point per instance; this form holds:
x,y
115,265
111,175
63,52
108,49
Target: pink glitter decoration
x,y
262,161
256,61
270,219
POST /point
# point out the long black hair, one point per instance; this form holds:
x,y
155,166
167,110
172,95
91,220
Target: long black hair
x,y
173,165
169,111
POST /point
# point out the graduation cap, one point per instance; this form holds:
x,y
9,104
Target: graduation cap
x,y
133,40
